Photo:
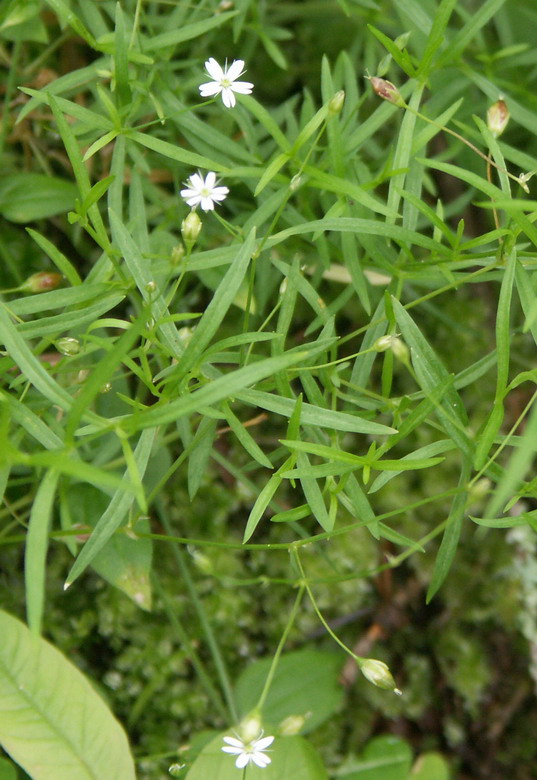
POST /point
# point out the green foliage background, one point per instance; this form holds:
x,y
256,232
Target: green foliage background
x,y
222,404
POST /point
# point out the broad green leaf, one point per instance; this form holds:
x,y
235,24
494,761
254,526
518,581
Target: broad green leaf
x,y
305,684
52,721
25,197
384,758
430,766
291,757
7,770
125,562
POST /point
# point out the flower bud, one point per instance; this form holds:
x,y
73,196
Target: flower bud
x,y
498,117
387,91
68,346
383,344
336,102
191,228
41,282
378,673
250,727
291,725
178,252
151,287
400,350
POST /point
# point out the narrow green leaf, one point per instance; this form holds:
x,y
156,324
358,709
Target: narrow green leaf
x,y
36,549
315,415
476,21
437,36
245,439
53,723
431,372
450,539
29,365
270,172
116,511
62,263
218,307
516,468
187,32
224,387
177,153
201,446
121,61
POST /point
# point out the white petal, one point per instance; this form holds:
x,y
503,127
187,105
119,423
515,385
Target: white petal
x,y
196,181
194,200
207,204
262,744
209,89
228,97
242,760
260,759
219,193
235,70
210,180
233,750
214,70
243,87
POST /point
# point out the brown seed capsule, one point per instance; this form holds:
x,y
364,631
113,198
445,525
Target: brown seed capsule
x,y
387,91
41,282
498,117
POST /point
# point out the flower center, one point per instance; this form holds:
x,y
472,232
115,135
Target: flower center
x,y
205,192
226,83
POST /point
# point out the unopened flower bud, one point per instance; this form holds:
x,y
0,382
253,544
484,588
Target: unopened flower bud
x,y
178,252
383,344
336,102
151,287
291,725
387,91
378,673
185,335
250,727
191,228
400,350
41,282
296,181
68,346
402,40
498,117
106,387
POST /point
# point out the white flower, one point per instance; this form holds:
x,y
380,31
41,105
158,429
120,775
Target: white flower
x,y
249,752
203,191
224,81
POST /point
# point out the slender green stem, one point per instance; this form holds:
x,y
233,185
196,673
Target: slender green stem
x,y
205,624
189,650
281,645
305,584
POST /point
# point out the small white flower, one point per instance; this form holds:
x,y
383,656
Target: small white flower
x,y
249,752
203,192
224,81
